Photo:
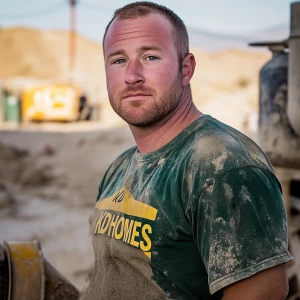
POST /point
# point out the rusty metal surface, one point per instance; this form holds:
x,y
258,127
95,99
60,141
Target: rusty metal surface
x,y
26,272
57,286
276,135
293,106
26,275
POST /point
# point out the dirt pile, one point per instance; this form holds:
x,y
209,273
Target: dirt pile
x,y
62,166
21,168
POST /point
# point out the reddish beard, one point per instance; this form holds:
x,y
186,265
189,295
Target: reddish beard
x,y
155,111
136,89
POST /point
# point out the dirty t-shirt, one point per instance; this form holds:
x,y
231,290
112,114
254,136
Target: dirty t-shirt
x,y
185,221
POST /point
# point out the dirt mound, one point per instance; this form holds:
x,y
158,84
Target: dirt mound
x,y
19,167
7,200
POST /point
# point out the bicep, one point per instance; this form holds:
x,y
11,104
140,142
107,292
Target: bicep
x,y
241,227
271,283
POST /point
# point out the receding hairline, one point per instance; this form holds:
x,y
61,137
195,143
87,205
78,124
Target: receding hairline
x,y
138,17
180,35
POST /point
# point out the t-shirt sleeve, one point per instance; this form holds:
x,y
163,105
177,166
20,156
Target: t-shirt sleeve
x,y
240,225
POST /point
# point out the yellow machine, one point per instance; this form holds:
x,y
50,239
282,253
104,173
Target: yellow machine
x,y
51,103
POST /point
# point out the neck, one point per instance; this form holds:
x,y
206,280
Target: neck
x,y
153,137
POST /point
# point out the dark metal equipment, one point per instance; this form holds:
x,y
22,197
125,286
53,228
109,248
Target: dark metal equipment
x,y
26,275
279,130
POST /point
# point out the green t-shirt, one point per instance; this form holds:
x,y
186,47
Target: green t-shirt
x,y
186,220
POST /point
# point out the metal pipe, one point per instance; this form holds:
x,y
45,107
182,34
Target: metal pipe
x,y
26,275
293,105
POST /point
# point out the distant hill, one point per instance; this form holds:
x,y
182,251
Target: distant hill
x,y
222,78
213,41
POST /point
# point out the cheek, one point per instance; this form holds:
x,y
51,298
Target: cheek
x,y
113,81
163,80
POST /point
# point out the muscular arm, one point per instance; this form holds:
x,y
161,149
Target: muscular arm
x,y
271,283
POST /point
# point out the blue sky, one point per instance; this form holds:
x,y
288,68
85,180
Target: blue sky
x,y
223,16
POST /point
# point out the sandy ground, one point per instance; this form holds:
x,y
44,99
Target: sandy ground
x,y
50,196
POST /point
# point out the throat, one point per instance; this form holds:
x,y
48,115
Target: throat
x,y
149,139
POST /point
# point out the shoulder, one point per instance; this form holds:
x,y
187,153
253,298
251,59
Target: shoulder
x,y
223,148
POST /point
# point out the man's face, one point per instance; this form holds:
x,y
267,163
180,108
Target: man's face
x,y
143,76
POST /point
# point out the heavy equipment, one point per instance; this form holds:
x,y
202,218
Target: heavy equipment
x,y
59,102
279,130
26,275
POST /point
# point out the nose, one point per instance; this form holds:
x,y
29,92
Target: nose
x,y
134,73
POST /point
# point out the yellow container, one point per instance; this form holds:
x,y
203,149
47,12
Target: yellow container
x,y
51,103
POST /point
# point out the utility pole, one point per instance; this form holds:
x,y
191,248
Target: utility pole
x,y
72,48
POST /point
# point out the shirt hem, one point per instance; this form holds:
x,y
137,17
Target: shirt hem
x,y
242,274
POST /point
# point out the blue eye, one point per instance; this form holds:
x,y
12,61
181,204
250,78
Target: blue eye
x,y
151,57
119,61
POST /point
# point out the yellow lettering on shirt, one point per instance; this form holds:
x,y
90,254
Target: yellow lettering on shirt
x,y
119,231
135,233
127,230
115,224
128,205
105,223
146,244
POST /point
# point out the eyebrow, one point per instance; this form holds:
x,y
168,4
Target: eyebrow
x,y
141,50
151,47
118,52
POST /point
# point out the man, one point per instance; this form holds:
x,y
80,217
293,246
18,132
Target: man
x,y
194,211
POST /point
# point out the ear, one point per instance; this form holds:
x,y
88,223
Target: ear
x,y
188,67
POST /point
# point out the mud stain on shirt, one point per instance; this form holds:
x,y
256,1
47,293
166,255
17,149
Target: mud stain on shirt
x,y
219,162
120,271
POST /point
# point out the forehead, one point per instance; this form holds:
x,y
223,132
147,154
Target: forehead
x,y
153,28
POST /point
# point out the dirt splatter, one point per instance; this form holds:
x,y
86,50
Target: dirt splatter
x,y
223,257
245,195
161,161
228,191
219,161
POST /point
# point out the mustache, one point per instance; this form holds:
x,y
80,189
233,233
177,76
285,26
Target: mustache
x,y
136,89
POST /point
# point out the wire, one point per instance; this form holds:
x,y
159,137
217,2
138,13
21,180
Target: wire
x,y
33,14
93,6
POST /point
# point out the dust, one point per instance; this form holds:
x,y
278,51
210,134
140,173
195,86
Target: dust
x,y
276,136
223,257
120,271
161,161
219,161
220,220
212,150
209,185
228,191
7,200
245,195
